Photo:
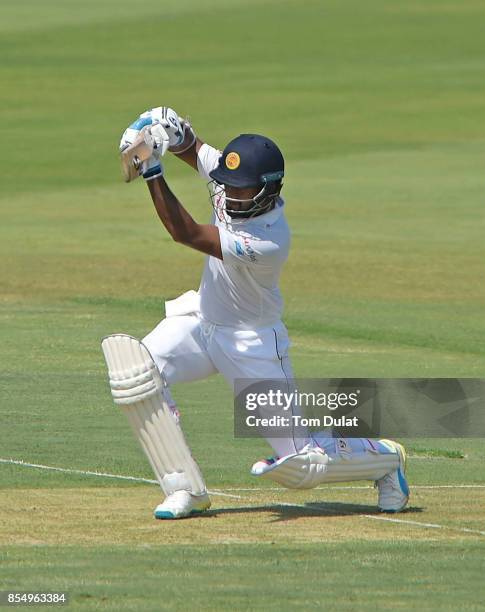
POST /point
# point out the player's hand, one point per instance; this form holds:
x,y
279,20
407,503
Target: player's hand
x,y
152,167
154,139
161,139
171,122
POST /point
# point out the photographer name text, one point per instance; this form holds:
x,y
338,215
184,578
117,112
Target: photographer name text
x,y
300,421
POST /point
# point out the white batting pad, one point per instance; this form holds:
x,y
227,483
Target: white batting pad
x,y
136,385
312,467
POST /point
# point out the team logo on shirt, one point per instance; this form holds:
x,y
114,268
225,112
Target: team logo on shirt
x,y
249,250
239,249
246,250
233,160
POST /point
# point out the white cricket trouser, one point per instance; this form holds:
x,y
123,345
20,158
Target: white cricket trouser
x,y
187,348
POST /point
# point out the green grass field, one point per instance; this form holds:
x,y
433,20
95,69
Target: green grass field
x,y
378,107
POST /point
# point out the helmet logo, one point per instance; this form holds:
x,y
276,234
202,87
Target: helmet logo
x,y
232,161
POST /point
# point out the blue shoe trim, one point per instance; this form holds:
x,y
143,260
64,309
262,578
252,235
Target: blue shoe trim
x,y
165,514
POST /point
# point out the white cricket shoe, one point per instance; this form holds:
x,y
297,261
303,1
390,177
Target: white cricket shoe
x,y
182,504
393,488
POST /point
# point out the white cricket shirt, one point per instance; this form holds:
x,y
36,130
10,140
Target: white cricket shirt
x,y
241,290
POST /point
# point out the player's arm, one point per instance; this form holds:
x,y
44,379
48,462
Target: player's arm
x,y
179,223
155,139
189,156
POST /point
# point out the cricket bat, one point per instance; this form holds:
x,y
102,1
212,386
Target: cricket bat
x,y
135,154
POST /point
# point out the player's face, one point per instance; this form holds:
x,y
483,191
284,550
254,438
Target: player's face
x,y
238,193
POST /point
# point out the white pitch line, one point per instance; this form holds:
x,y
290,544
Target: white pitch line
x,y
366,516
216,492
325,488
454,486
219,492
419,524
388,519
302,506
99,474
343,488
73,471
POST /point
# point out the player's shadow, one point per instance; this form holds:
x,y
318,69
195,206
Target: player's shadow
x,y
289,511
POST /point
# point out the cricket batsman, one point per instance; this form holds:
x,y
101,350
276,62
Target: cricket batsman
x,y
231,325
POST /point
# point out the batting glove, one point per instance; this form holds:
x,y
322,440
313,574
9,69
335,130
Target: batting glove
x,y
171,122
156,137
